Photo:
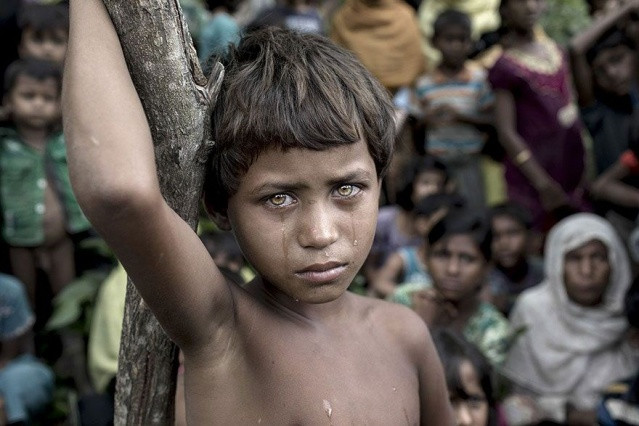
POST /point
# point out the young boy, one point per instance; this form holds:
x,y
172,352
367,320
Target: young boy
x,y
44,32
456,99
604,70
39,209
303,134
457,260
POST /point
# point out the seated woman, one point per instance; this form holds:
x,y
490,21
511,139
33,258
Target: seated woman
x,y
458,262
469,379
575,332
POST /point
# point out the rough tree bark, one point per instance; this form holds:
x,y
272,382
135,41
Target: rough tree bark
x,y
177,99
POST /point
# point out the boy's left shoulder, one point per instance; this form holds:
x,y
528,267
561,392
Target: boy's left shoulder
x,y
394,320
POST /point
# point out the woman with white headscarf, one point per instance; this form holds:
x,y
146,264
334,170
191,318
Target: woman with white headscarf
x,y
574,341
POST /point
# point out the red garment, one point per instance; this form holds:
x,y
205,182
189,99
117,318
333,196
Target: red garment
x,y
630,161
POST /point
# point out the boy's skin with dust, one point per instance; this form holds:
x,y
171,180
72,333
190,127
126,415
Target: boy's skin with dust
x,y
293,347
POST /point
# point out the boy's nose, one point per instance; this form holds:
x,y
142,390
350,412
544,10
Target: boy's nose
x,y
318,229
453,266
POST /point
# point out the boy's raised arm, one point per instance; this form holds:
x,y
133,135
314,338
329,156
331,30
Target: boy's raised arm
x,y
113,172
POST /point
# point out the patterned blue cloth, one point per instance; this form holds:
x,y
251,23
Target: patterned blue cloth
x,y
16,316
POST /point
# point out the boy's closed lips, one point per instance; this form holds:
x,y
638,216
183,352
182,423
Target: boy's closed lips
x,y
322,272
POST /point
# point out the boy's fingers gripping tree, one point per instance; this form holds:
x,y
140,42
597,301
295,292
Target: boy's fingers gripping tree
x,y
177,100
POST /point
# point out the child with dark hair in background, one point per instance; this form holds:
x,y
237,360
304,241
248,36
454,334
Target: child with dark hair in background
x,y
405,270
227,255
458,261
513,269
395,224
39,210
44,31
469,378
604,70
537,120
456,101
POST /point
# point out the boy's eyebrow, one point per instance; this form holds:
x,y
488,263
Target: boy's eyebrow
x,y
359,174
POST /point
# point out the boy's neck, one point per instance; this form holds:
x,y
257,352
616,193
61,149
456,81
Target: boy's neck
x,y
450,70
308,313
34,137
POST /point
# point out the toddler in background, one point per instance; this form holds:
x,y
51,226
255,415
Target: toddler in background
x,y
39,209
456,100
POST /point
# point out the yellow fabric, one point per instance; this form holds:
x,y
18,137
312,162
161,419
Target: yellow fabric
x,y
385,37
484,15
106,328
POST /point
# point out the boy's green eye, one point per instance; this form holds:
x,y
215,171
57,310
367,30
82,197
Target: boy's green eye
x,y
347,190
278,200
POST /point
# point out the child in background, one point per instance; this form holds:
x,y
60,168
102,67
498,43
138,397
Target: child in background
x,y
536,120
395,225
456,100
603,62
296,175
514,270
405,270
44,31
220,30
38,206
469,379
458,259
26,384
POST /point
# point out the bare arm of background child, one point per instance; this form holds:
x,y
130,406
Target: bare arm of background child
x,y
113,173
550,193
609,187
579,45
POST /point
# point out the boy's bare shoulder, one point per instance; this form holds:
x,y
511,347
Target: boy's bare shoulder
x,y
397,321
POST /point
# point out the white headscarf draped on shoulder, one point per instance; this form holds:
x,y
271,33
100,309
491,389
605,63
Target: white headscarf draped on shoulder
x,y
570,353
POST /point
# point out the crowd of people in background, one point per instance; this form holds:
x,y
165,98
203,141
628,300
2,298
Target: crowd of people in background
x,y
508,222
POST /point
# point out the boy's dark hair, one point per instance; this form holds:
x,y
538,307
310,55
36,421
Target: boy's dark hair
x,y
514,211
285,90
404,194
610,39
462,221
35,68
44,17
453,350
449,18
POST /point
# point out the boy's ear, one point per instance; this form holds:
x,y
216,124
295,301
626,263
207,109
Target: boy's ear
x,y
220,219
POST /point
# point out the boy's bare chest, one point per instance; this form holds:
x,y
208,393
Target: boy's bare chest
x,y
310,379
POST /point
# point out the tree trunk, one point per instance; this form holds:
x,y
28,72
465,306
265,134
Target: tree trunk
x,y
177,100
